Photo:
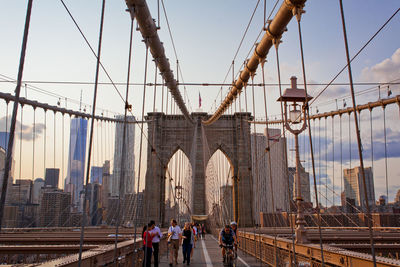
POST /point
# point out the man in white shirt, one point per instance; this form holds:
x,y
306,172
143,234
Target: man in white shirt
x,y
174,241
156,241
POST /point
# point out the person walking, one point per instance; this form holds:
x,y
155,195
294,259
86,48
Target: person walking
x,y
187,243
147,244
156,241
203,231
195,234
174,241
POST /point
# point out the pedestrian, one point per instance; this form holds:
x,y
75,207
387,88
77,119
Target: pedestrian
x,y
195,234
194,238
187,243
174,241
147,237
156,241
203,231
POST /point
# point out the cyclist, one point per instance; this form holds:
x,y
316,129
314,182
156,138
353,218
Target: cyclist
x,y
234,228
227,236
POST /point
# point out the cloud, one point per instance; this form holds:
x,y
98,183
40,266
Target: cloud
x,y
385,71
27,130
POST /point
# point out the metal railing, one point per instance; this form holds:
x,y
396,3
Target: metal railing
x,y
262,246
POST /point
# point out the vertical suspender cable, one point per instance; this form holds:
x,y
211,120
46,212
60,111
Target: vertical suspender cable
x,y
20,155
44,142
326,164
372,142
298,11
341,154
54,147
33,142
63,143
276,42
123,152
162,96
7,165
269,163
333,159
141,141
358,136
386,163
319,159
91,133
350,143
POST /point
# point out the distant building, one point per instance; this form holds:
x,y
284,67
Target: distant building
x,y
76,159
96,175
95,208
262,201
106,183
353,186
38,184
55,208
397,198
128,206
10,217
226,200
21,192
128,157
111,212
10,177
304,181
4,136
51,177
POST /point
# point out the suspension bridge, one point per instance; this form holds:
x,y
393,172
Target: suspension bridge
x,y
307,169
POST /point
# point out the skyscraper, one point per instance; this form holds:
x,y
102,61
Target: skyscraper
x,y
51,177
38,184
354,188
304,181
261,172
96,175
54,208
129,157
4,136
76,159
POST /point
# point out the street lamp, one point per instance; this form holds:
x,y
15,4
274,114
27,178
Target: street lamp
x,y
179,196
296,99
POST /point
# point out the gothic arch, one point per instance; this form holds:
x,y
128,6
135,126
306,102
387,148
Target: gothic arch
x,y
230,134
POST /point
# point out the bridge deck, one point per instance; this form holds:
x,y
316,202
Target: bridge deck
x,y
207,253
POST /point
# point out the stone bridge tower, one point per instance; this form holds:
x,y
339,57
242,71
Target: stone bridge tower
x,y
230,134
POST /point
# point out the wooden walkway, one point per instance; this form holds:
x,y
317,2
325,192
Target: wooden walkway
x,y
208,254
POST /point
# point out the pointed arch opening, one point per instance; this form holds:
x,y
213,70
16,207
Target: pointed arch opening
x,y
178,187
219,188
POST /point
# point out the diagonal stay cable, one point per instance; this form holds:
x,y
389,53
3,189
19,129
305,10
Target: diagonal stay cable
x,y
359,51
91,134
179,70
91,49
241,42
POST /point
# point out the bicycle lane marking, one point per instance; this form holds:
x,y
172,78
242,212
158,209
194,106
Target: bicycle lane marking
x,y
245,263
205,253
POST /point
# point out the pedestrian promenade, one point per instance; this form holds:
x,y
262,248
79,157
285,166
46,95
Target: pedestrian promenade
x,y
207,254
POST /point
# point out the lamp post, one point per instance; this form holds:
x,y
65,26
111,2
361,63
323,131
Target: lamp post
x,y
178,192
296,99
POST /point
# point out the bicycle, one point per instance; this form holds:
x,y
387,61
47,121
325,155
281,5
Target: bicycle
x,y
230,255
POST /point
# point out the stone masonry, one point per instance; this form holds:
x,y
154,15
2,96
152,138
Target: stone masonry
x,y
230,134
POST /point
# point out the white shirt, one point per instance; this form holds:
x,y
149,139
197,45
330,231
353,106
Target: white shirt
x,y
158,234
175,231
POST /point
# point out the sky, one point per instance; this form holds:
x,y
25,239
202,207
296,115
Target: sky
x,y
206,35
